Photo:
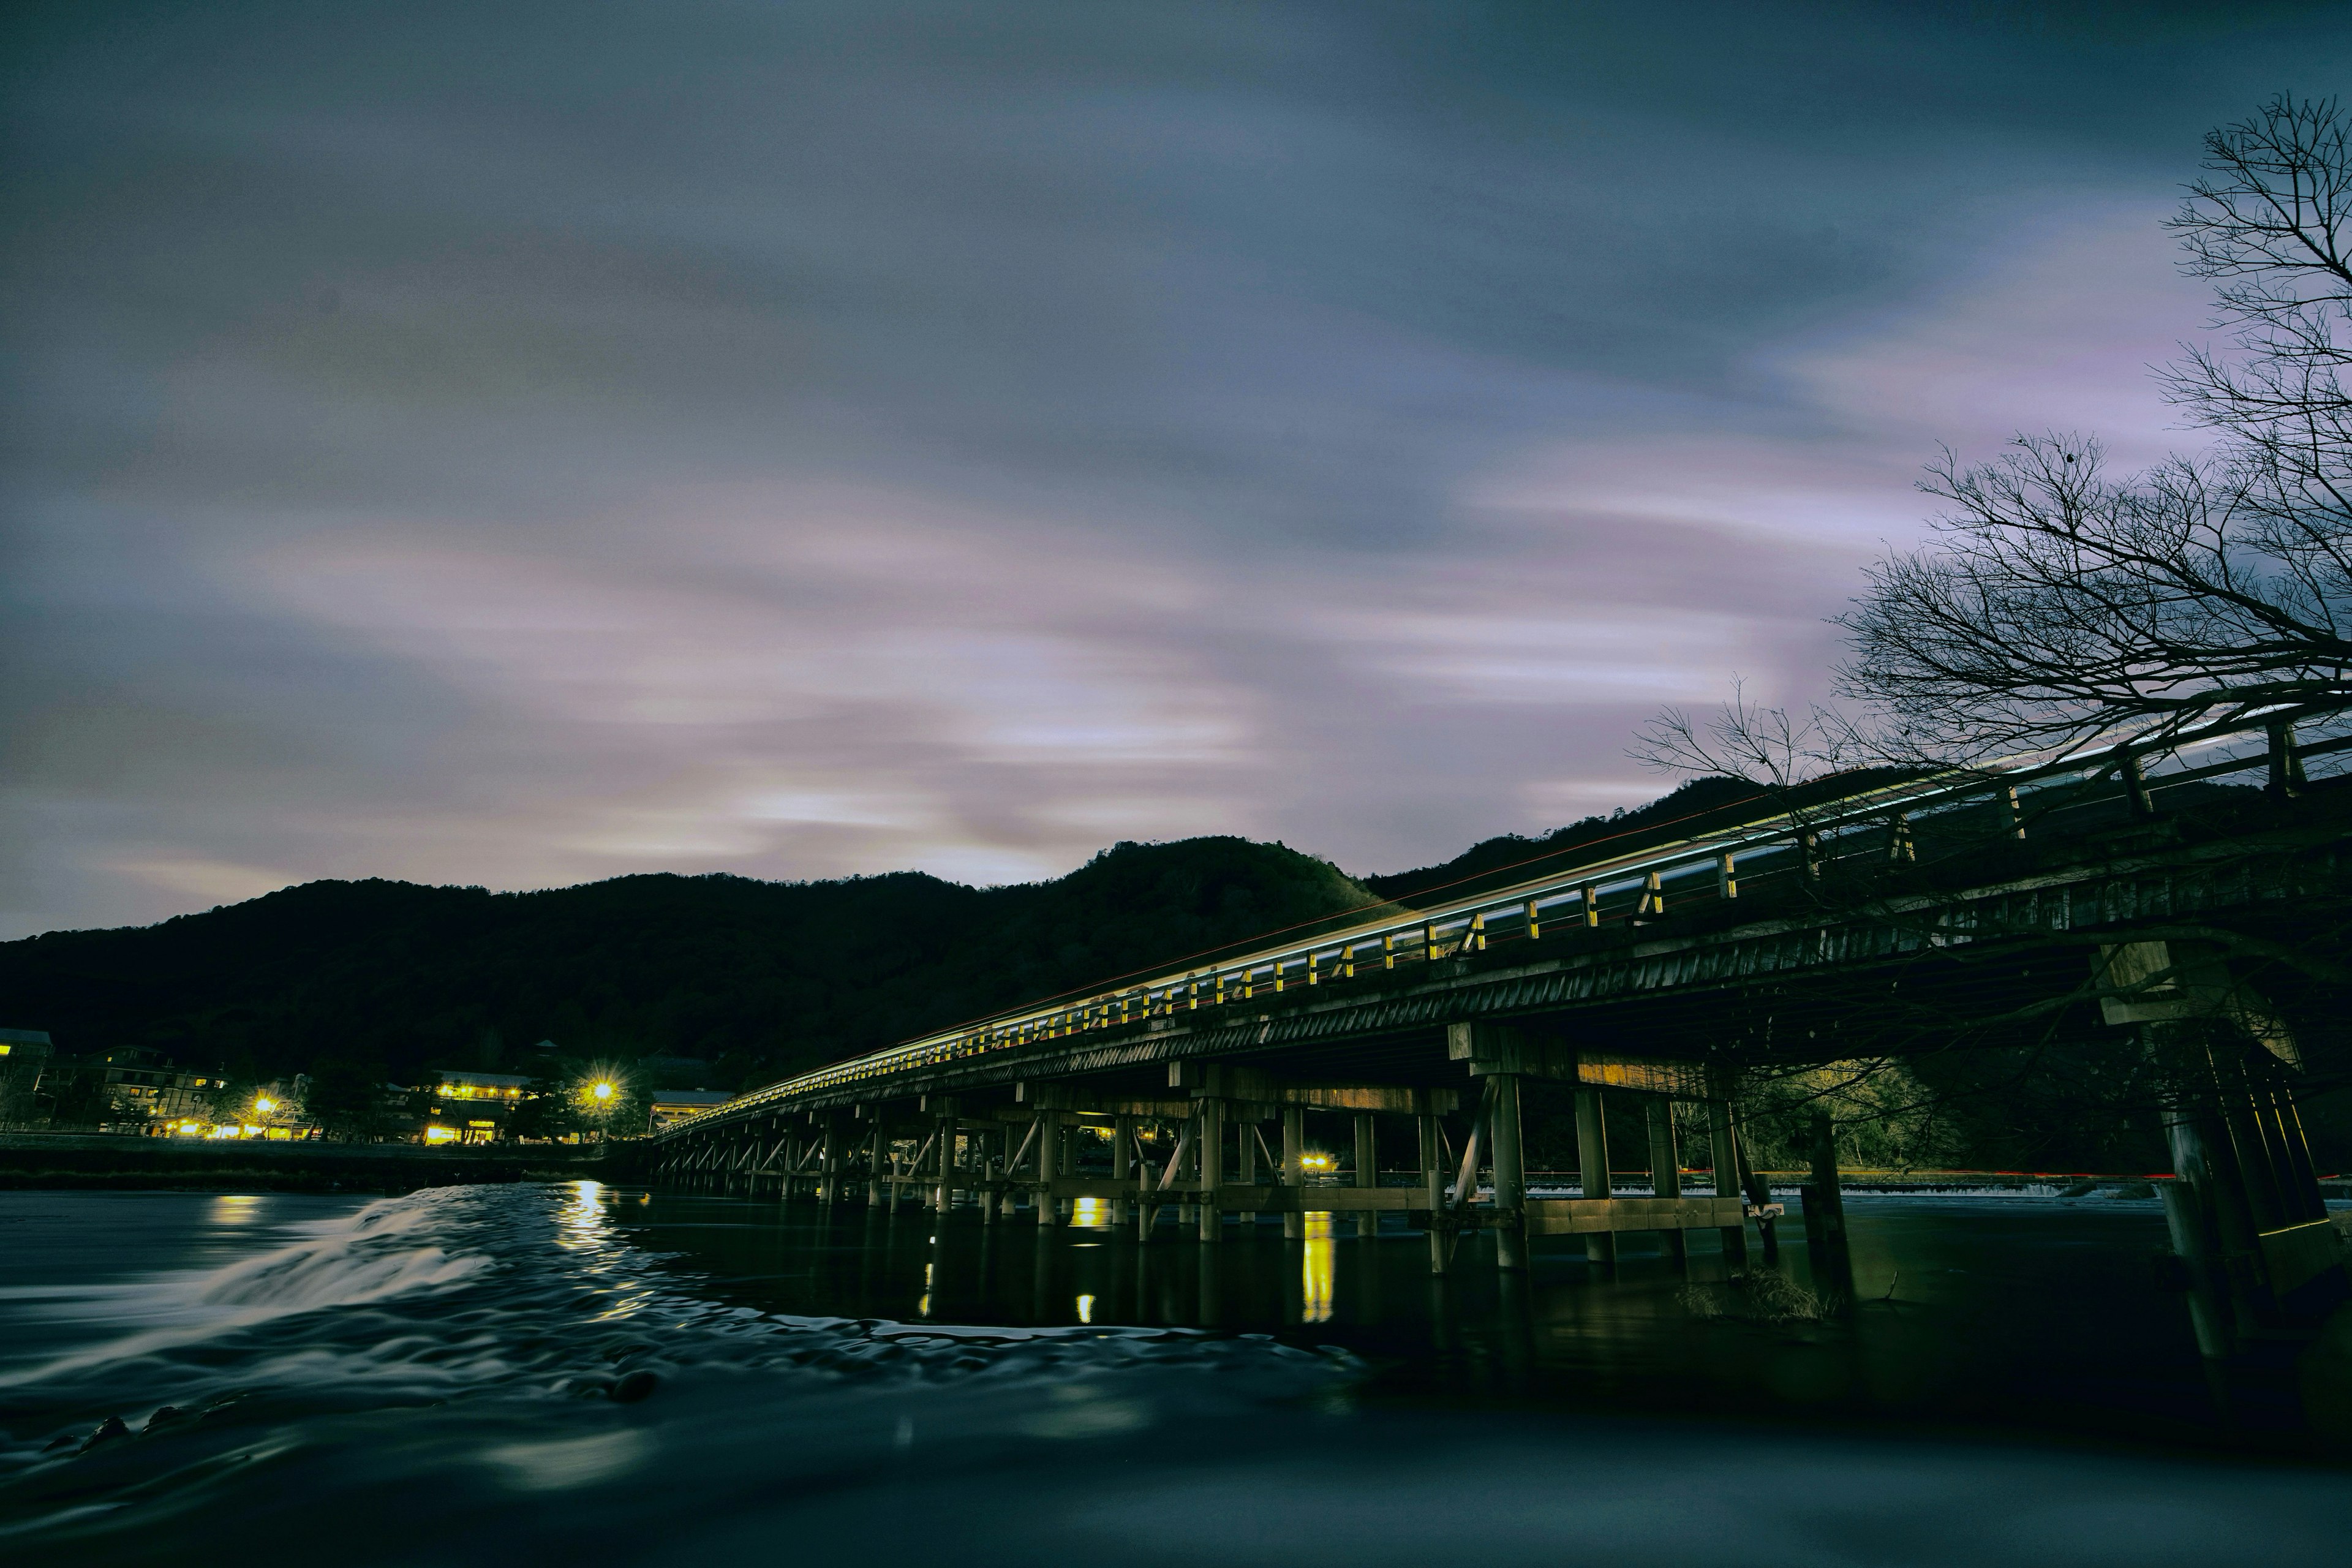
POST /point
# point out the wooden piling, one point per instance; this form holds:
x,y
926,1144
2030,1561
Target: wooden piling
x,y
1246,1167
1368,1170
1510,1174
1432,1188
1122,1164
1593,1165
1665,1166
1049,1148
1294,1169
1212,1169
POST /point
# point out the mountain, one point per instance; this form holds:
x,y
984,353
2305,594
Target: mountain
x,y
761,978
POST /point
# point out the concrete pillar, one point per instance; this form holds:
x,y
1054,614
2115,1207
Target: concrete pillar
x,y
1593,1165
1294,1172
1212,1169
1510,1175
1665,1165
1723,1151
1368,1170
1049,1151
1432,1189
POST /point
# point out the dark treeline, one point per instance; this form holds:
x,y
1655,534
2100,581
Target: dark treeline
x,y
759,978
369,981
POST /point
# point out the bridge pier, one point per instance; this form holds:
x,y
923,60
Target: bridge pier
x,y
1824,1203
1665,1166
943,1195
1368,1170
1212,1113
1592,1166
828,1190
1294,1167
1049,1148
1432,1188
1510,1174
1723,1150
1246,1160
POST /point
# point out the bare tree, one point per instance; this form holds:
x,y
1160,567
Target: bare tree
x,y
2057,605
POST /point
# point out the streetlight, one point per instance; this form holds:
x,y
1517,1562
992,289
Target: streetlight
x,y
601,1090
263,1106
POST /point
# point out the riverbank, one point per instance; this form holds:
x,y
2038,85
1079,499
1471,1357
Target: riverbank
x,y
124,1161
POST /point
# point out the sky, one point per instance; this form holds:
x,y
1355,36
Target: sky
x,y
519,445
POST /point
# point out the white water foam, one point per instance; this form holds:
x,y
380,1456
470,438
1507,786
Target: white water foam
x,y
369,1257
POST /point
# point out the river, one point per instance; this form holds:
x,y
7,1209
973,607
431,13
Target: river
x,y
550,1373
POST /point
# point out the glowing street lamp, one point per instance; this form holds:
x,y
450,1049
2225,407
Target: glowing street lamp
x,y
602,1091
263,1106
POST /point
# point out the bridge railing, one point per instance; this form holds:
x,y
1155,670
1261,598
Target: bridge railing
x,y
1633,885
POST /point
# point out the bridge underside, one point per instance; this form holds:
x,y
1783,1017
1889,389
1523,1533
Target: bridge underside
x,y
1204,1108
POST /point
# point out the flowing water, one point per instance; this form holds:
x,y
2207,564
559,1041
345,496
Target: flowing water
x,y
544,1373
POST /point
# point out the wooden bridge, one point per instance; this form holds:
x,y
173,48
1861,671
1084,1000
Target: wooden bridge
x,y
1377,1068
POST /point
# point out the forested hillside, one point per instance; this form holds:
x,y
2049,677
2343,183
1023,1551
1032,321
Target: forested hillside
x,y
760,978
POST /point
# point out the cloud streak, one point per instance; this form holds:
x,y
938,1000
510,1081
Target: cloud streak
x,y
527,446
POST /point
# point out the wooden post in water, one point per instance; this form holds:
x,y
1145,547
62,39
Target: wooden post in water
x,y
1825,1212
944,1198
1212,1169
876,1156
1368,1170
1294,1171
1824,1198
1510,1175
829,1189
1122,1164
1593,1165
1665,1166
1432,1188
1049,1148
1246,1165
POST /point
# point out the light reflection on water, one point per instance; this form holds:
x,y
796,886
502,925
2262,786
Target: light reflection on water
x,y
1317,1270
780,1391
235,1209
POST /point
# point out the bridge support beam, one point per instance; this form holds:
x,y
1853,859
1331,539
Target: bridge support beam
x,y
1665,1166
944,1193
1294,1167
1510,1174
1593,1165
878,1147
1245,1162
828,1190
1368,1170
1825,1214
1049,1150
1212,1169
1432,1189
1122,1164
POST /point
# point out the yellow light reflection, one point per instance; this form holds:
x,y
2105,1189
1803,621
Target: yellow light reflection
x,y
1086,1309
583,1219
1316,1269
437,1134
1089,1213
